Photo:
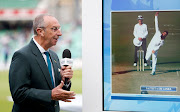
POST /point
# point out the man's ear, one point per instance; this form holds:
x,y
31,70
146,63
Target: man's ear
x,y
40,31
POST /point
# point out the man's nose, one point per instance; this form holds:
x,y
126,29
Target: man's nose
x,y
59,33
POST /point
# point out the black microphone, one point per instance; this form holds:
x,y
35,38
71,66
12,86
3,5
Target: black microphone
x,y
66,54
66,61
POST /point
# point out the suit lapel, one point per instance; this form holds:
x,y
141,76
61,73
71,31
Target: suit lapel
x,y
41,62
55,67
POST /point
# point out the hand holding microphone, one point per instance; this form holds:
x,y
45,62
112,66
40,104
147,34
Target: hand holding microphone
x,y
66,66
66,73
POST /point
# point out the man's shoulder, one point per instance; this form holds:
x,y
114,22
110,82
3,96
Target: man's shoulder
x,y
158,33
136,24
24,50
21,54
144,24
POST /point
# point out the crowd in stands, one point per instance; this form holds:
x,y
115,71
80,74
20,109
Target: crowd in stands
x,y
14,35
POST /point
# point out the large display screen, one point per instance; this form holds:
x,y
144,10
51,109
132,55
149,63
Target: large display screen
x,y
131,80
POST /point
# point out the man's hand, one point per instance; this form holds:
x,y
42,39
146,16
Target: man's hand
x,y
157,13
140,39
59,94
66,72
153,51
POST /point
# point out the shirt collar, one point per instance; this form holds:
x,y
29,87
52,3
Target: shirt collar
x,y
42,50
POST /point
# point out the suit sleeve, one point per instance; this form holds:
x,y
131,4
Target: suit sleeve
x,y
20,82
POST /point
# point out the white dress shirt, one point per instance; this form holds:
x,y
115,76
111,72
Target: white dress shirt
x,y
44,56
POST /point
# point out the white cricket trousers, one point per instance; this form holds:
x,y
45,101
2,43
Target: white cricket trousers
x,y
154,59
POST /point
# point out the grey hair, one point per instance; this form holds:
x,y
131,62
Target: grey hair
x,y
39,22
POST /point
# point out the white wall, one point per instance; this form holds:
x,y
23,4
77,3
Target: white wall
x,y
92,55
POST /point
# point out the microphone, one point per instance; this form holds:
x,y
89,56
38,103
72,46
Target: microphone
x,y
66,61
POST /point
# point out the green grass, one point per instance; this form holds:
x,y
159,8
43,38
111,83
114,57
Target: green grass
x,y
77,82
6,106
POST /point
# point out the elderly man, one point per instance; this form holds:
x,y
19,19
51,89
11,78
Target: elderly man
x,y
140,33
156,42
35,77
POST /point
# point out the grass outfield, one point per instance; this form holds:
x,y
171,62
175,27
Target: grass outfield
x,y
125,78
129,80
6,106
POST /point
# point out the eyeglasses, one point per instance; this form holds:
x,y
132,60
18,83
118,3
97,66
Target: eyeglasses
x,y
53,28
56,28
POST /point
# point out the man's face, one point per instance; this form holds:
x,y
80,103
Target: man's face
x,y
140,21
52,31
163,36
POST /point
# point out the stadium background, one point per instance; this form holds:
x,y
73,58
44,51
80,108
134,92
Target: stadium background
x,y
16,31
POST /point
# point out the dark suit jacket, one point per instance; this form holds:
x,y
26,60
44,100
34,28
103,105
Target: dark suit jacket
x,y
30,81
